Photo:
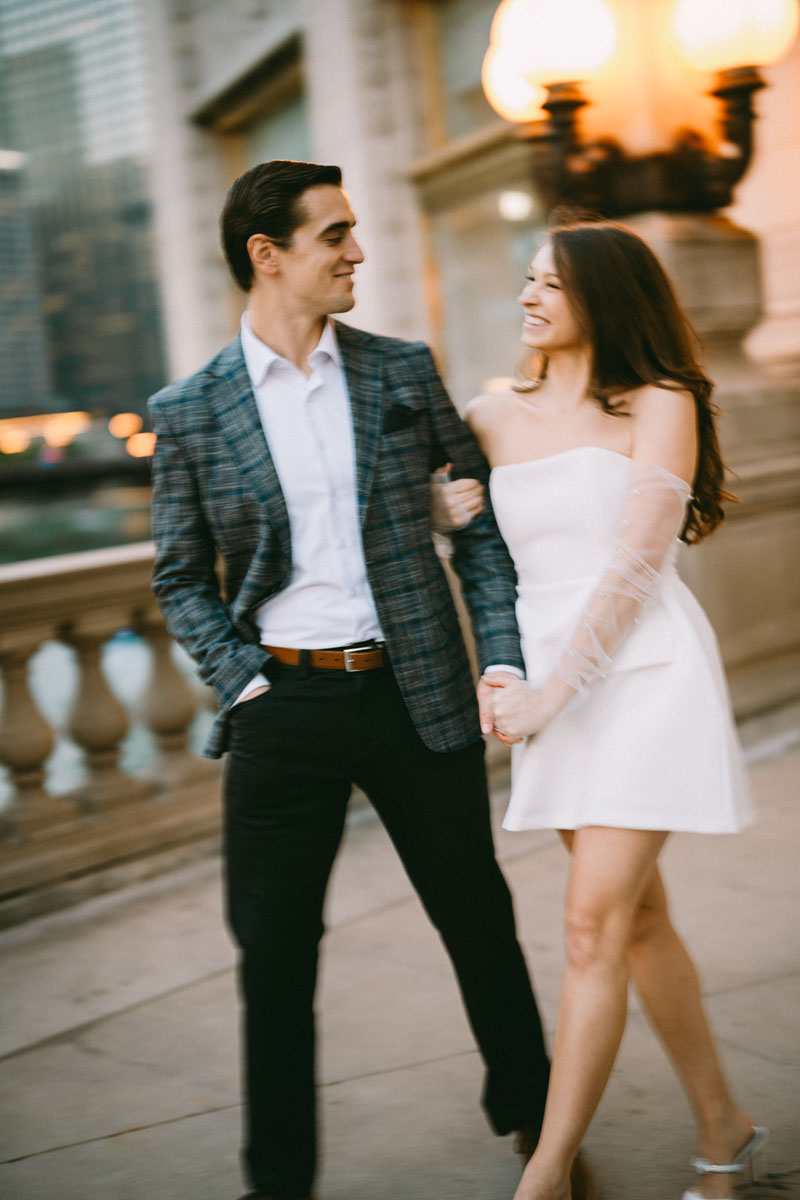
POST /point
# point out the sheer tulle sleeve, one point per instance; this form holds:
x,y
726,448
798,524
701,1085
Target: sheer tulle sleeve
x,y
651,519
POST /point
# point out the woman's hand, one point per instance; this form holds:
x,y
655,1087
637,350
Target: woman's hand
x,y
518,711
455,502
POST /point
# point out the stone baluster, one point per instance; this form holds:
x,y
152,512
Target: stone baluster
x,y
26,741
98,722
168,707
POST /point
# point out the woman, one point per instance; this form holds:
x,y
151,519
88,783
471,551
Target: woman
x,y
598,467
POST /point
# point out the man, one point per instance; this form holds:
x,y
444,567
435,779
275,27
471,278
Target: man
x,y
301,456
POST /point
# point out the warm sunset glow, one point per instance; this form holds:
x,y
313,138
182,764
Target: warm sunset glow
x,y
554,42
718,34
124,425
141,445
507,90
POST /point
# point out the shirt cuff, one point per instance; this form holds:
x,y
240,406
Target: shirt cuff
x,y
494,667
256,682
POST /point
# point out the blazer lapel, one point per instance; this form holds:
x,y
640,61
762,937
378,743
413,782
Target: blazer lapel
x,y
363,369
235,409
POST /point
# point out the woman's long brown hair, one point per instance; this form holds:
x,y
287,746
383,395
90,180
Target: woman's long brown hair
x,y
639,335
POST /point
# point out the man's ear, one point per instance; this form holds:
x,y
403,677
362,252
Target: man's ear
x,y
263,253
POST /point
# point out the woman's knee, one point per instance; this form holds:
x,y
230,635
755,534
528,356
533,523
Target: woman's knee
x,y
593,937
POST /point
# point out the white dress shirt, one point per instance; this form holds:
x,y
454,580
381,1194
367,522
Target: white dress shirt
x,y
308,425
307,422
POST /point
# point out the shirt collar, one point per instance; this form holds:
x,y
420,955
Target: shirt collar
x,y
259,357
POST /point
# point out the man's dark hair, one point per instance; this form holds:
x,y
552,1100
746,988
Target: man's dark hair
x,y
267,199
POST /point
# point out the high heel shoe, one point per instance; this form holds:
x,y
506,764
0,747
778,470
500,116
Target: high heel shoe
x,y
745,1160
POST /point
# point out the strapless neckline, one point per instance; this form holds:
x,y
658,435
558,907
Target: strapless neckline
x,y
530,462
559,454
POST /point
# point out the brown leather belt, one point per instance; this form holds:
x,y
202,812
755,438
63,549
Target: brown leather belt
x,y
335,660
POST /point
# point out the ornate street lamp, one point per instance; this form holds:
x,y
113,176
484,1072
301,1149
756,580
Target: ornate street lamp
x,y
541,52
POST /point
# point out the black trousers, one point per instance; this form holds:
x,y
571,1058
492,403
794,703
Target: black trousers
x,y
294,753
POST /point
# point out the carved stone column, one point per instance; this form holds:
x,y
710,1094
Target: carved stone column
x,y
26,741
168,707
365,107
98,722
745,576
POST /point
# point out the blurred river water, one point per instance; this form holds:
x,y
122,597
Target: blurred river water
x,y
36,525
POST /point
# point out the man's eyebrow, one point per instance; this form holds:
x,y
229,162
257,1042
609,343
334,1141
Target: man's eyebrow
x,y
336,227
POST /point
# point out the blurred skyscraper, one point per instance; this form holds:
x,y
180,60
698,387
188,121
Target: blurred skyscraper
x,y
79,301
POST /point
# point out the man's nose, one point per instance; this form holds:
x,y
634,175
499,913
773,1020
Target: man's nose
x,y
353,252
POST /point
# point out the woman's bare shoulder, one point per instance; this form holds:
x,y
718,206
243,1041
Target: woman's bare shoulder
x,y
661,401
482,411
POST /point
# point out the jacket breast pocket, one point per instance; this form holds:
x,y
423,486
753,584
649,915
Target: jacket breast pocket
x,y
400,417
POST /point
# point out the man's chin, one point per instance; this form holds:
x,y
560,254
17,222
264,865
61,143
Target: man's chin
x,y
342,304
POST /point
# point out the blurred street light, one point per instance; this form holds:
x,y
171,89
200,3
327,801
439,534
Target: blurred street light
x,y
141,445
559,46
124,425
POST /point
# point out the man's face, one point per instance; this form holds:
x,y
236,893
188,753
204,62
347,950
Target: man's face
x,y
317,270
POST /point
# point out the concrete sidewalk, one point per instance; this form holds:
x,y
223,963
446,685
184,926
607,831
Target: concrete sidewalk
x,y
119,1051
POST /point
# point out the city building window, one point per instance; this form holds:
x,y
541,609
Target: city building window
x,y
80,309
462,35
281,132
264,114
79,302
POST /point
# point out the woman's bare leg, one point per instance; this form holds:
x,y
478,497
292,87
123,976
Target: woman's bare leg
x,y
609,870
667,983
669,989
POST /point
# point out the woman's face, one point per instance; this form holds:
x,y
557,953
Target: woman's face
x,y
550,323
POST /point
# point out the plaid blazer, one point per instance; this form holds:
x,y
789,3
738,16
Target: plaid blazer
x,y
217,504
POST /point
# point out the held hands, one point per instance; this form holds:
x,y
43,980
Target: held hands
x,y
455,502
510,708
487,693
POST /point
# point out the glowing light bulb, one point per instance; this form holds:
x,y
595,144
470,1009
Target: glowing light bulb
x,y
515,205
508,91
554,41
719,34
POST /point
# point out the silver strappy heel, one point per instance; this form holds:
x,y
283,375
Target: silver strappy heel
x,y
745,1161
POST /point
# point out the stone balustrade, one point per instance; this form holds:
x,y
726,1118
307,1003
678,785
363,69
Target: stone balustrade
x,y
50,840
119,822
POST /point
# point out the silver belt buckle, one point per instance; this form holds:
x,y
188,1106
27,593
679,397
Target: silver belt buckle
x,y
349,660
350,663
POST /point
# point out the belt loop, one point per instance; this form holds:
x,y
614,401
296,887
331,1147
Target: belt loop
x,y
303,661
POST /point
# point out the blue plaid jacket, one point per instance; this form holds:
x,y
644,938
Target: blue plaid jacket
x,y
218,505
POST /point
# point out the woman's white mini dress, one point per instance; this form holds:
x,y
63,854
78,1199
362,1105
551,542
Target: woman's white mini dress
x,y
652,743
